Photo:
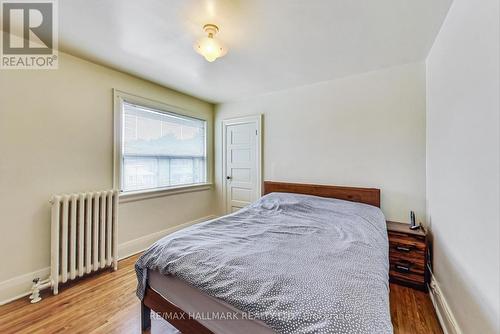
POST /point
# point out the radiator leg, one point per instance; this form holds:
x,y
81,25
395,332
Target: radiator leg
x,y
55,286
145,317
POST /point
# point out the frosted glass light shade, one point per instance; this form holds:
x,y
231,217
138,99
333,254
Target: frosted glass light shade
x,y
209,47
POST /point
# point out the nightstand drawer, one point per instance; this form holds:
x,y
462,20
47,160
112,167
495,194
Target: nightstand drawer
x,y
407,271
405,266
406,251
406,241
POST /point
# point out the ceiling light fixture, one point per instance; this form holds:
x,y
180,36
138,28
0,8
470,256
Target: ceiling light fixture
x,y
209,47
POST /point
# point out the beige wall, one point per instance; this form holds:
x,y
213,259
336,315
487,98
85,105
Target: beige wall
x,y
364,130
56,135
463,163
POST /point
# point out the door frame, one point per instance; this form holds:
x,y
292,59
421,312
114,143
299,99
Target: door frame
x,y
258,152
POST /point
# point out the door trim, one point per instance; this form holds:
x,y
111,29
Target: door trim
x,y
258,153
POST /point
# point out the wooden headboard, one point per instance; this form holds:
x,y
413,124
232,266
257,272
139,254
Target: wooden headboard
x,y
369,196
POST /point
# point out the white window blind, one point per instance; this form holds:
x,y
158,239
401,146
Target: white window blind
x,y
161,149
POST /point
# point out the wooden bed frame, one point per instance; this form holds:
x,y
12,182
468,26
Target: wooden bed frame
x,y
369,196
181,319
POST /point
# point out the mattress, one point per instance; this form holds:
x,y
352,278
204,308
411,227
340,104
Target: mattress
x,y
297,263
212,313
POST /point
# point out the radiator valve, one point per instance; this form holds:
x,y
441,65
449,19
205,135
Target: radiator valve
x,y
35,291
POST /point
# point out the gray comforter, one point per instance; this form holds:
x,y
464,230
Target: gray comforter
x,y
299,263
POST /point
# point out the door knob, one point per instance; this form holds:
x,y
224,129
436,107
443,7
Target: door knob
x,y
228,177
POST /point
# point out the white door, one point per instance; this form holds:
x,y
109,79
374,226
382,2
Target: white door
x,y
242,161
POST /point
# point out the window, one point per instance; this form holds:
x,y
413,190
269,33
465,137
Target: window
x,y
160,149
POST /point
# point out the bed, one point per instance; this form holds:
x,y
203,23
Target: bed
x,y
302,259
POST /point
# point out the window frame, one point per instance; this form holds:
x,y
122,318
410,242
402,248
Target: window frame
x,y
119,98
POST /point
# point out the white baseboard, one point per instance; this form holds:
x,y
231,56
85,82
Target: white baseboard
x,y
20,286
138,245
443,311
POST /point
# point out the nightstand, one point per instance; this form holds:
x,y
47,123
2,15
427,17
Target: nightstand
x,y
407,255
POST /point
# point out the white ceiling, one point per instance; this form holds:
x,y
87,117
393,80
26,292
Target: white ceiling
x,y
273,44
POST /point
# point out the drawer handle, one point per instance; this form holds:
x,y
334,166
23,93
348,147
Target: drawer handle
x,y
402,269
403,249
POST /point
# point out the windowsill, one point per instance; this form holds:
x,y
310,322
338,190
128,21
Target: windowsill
x,y
132,196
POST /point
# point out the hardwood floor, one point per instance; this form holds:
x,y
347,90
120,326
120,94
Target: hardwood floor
x,y
106,303
412,311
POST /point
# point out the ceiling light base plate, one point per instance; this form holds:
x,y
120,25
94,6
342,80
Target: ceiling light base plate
x,y
211,29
